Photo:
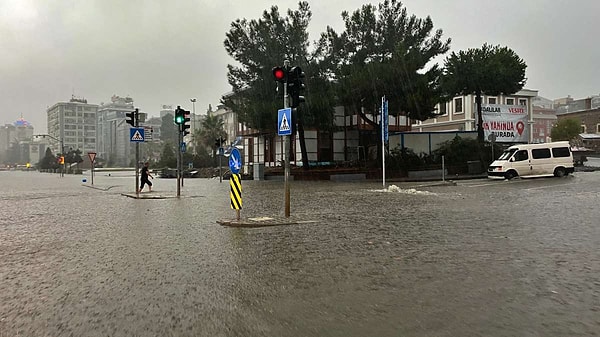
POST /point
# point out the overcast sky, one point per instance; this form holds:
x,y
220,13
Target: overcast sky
x,y
168,51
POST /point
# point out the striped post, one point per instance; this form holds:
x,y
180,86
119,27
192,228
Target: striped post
x,y
235,193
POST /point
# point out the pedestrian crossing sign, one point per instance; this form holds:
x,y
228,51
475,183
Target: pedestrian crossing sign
x,y
136,134
284,122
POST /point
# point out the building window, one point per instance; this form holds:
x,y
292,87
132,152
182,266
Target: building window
x,y
443,110
583,129
522,101
458,105
597,128
510,101
491,100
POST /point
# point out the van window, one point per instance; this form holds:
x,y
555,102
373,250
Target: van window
x,y
507,154
521,155
559,152
540,153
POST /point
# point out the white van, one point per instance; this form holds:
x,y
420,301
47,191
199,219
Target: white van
x,y
533,160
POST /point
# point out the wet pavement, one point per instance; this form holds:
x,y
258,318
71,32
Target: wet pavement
x,y
474,258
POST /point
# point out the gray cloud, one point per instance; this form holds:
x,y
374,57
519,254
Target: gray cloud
x,y
165,52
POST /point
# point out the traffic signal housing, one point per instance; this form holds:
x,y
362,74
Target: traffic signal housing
x,y
219,142
295,86
179,116
279,74
131,117
186,123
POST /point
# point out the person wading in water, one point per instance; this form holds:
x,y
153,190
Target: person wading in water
x,y
145,180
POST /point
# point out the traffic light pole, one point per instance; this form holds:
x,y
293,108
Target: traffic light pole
x,y
286,148
137,155
181,154
220,155
179,175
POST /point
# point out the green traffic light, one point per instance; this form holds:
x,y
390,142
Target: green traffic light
x,y
179,117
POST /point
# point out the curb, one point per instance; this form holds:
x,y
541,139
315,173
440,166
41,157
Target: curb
x,y
141,196
262,222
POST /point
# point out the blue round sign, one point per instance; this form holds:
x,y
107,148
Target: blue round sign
x,y
235,161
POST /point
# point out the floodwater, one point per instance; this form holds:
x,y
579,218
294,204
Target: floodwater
x,y
592,162
479,258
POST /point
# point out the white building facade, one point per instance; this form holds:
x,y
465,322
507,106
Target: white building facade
x,y
13,140
460,113
74,124
114,145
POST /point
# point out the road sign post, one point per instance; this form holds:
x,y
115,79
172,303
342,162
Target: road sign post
x,y
284,127
235,193
286,144
292,84
92,156
384,134
492,139
235,181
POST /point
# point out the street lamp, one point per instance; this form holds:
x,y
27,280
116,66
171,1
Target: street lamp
x,y
193,100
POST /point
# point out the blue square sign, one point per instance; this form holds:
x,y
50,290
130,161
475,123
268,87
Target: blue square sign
x,y
284,122
136,134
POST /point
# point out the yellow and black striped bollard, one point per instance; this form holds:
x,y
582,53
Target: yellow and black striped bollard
x,y
235,193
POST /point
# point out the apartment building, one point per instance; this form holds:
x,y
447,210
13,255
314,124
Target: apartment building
x,y
73,123
114,145
13,138
543,121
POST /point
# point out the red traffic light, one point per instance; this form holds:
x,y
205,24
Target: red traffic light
x,y
279,74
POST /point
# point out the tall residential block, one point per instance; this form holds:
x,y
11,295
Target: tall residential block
x,y
73,124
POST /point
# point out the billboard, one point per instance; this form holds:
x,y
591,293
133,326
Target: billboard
x,y
507,122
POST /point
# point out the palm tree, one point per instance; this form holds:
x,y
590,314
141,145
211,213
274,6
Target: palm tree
x,y
212,129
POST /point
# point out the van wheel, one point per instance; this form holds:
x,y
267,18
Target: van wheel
x,y
509,175
560,172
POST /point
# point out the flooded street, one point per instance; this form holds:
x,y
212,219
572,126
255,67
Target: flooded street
x,y
479,258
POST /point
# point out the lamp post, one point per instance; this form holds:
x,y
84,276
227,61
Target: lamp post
x,y
193,100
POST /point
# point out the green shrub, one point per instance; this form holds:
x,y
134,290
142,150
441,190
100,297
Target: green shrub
x,y
456,152
404,159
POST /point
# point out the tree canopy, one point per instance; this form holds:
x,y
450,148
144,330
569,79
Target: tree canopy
x,y
489,70
566,129
258,46
168,129
168,157
49,160
212,128
384,51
